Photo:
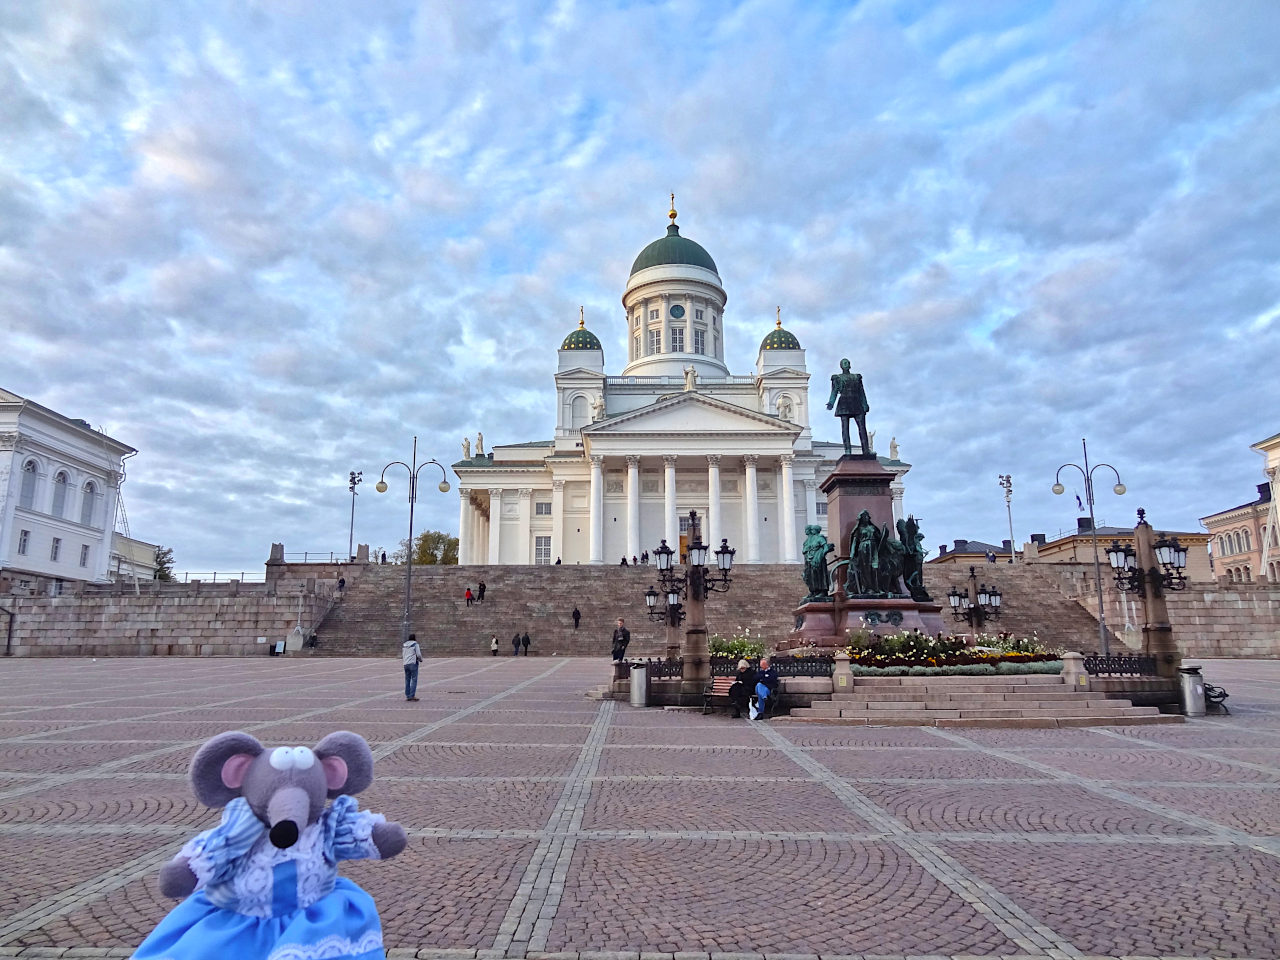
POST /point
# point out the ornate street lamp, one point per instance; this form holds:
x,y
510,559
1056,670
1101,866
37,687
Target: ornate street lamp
x,y
1087,472
1149,570
977,604
694,586
356,479
1130,575
381,487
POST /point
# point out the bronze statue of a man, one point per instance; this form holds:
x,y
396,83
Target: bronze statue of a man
x,y
847,387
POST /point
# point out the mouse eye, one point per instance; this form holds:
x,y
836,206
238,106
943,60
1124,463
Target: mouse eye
x,y
303,758
281,758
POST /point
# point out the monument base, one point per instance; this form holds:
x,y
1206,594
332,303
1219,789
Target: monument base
x,y
825,624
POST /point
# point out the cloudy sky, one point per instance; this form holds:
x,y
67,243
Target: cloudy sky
x,y
267,243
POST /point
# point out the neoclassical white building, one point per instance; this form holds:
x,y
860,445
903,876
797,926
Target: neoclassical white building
x,y
675,431
59,481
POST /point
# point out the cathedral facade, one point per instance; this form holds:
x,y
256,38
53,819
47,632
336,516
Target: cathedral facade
x,y
674,431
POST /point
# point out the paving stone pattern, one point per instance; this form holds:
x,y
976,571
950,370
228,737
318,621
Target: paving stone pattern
x,y
544,824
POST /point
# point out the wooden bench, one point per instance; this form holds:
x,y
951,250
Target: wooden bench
x,y
717,693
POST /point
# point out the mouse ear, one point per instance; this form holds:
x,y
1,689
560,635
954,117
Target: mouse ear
x,y
349,750
219,767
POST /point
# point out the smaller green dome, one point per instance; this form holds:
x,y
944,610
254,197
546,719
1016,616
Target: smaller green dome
x,y
779,339
581,339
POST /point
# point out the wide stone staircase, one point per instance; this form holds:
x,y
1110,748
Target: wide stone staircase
x,y
366,619
1031,700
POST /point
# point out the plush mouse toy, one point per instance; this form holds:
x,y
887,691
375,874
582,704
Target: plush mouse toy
x,y
264,884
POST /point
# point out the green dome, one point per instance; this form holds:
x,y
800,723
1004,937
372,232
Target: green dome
x,y
779,339
673,248
581,339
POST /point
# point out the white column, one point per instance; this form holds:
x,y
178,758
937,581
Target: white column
x,y
671,525
811,502
753,508
495,524
713,500
526,522
597,510
479,535
633,506
557,519
896,489
464,526
790,549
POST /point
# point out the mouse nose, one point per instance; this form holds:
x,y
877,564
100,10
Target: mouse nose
x,y
287,813
284,834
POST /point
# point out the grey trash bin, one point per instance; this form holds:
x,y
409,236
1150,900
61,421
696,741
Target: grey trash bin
x,y
639,685
1192,689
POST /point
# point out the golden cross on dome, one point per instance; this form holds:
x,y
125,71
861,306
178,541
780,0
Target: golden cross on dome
x,y
582,323
779,318
672,212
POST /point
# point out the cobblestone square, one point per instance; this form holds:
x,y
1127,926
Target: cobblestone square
x,y
542,821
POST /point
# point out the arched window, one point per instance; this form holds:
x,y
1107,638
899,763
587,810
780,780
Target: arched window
x,y
1222,545
59,493
1248,575
1247,544
87,503
1235,542
578,416
27,496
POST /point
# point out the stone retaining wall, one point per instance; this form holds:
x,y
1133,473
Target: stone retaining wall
x,y
151,625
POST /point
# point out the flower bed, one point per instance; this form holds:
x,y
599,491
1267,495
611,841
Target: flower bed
x,y
912,651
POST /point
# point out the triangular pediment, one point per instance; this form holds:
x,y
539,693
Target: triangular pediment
x,y
691,413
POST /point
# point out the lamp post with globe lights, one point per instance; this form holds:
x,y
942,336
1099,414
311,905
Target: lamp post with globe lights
x,y
381,487
1087,472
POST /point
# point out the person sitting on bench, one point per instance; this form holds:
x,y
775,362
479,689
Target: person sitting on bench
x,y
766,687
743,686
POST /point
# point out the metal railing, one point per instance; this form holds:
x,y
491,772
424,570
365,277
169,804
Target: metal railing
x,y
1139,665
318,556
219,576
816,666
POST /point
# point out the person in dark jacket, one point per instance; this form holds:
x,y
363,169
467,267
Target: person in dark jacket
x,y
744,684
766,686
577,615
480,591
515,645
621,637
524,642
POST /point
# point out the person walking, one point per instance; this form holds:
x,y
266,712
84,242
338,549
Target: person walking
x,y
469,596
577,616
524,642
493,644
480,591
621,637
515,645
411,656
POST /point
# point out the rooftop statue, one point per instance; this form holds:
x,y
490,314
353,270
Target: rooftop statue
x,y
847,388
466,448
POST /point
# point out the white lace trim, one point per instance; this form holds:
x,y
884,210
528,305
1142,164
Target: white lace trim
x,y
334,945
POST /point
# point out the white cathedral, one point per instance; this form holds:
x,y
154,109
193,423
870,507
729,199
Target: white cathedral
x,y
674,432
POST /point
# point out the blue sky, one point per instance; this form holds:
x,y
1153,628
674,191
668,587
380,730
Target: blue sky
x,y
268,243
